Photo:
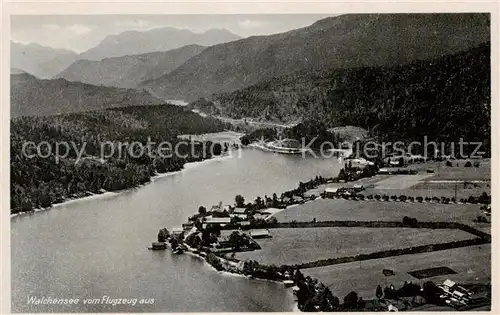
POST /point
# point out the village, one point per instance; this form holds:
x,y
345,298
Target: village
x,y
405,235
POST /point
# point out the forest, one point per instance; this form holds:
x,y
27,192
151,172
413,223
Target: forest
x,y
445,99
38,181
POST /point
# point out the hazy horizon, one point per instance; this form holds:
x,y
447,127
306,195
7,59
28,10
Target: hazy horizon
x,y
82,32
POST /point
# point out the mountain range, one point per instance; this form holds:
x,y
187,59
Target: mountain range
x,y
346,41
160,39
396,75
31,96
128,71
41,61
47,62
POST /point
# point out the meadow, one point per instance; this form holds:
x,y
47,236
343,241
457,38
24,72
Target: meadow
x,y
300,245
472,265
340,209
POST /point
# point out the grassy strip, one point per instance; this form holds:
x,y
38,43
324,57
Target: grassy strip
x,y
393,252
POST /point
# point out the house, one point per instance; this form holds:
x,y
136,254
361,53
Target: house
x,y
260,234
158,246
244,225
260,216
177,231
394,162
218,221
239,215
288,283
383,171
454,292
223,220
297,199
331,192
360,162
239,210
187,226
286,200
358,187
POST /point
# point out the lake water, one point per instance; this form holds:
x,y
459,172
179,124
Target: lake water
x,y
95,248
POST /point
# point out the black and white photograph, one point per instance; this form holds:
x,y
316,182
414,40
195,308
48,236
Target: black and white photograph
x,y
273,162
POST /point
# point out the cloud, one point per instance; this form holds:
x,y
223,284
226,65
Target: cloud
x,y
134,24
51,27
79,29
252,24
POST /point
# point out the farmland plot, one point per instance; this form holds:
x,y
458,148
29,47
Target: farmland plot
x,y
299,245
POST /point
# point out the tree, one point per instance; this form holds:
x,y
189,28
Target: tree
x,y
335,302
342,175
361,303
351,300
299,277
236,240
275,200
193,240
309,305
431,292
379,292
328,302
258,202
202,211
163,235
302,293
240,201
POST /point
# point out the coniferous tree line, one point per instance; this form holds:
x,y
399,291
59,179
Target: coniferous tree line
x,y
445,98
42,181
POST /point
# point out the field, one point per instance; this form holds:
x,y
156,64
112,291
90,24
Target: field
x,y
446,182
299,245
472,264
340,209
443,172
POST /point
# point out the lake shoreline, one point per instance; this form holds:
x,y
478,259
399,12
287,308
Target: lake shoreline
x,y
227,272
118,209
107,194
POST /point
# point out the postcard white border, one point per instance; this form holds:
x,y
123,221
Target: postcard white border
x,y
234,7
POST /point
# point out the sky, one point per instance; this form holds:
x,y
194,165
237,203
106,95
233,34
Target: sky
x,y
81,32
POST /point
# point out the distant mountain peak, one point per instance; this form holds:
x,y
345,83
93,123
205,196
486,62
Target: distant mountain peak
x,y
219,30
41,61
154,40
17,71
35,45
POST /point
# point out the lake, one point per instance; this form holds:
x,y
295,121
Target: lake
x,y
98,247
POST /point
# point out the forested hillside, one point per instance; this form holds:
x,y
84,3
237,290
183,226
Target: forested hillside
x,y
39,182
444,98
340,42
128,71
30,96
